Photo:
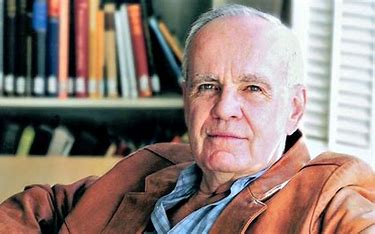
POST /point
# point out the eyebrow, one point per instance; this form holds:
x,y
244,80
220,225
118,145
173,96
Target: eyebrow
x,y
199,78
257,79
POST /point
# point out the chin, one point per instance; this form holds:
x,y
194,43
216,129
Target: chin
x,y
222,161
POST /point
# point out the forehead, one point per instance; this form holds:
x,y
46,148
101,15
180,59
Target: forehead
x,y
245,45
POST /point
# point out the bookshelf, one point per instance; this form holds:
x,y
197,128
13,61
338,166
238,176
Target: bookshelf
x,y
174,102
142,120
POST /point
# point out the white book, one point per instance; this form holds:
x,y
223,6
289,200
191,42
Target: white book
x,y
121,55
130,65
61,143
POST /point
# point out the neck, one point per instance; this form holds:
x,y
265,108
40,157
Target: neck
x,y
216,183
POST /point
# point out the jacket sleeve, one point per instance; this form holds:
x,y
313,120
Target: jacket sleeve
x,y
41,208
352,210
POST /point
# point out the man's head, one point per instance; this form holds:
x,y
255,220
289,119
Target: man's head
x,y
243,92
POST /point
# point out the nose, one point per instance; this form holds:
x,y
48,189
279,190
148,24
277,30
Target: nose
x,y
227,106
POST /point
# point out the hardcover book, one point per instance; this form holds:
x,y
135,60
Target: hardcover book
x,y
10,48
139,50
63,49
21,65
81,15
61,142
130,63
42,140
166,65
121,54
52,47
39,24
110,50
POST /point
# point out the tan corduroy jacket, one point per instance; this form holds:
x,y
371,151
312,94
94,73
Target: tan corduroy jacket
x,y
331,194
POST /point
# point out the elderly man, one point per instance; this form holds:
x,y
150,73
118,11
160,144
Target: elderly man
x,y
247,168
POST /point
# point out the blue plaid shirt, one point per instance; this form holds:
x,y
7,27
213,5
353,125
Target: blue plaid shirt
x,y
201,220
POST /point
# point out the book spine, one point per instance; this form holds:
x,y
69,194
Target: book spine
x,y
82,49
147,10
39,30
29,49
110,50
99,68
121,55
72,51
139,48
166,50
92,83
171,40
1,46
21,16
9,46
52,47
63,49
130,67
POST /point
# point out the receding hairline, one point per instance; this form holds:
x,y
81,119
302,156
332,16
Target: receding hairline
x,y
272,24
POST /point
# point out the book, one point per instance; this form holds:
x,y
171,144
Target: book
x,y
110,50
10,136
39,25
42,140
10,48
52,56
21,65
29,49
1,46
166,65
172,41
84,144
139,50
61,142
26,139
72,50
121,54
92,81
63,62
130,63
81,15
100,40
146,6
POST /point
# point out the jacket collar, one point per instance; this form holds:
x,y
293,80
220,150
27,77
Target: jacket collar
x,y
134,211
250,203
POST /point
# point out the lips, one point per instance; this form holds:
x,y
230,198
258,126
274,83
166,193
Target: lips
x,y
225,135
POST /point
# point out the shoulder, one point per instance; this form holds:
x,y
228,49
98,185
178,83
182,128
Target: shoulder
x,y
334,172
340,170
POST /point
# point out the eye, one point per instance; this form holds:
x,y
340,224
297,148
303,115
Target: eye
x,y
254,88
206,87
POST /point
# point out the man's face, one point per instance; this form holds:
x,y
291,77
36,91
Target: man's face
x,y
237,105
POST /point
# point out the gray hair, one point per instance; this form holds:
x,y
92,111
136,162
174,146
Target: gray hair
x,y
295,71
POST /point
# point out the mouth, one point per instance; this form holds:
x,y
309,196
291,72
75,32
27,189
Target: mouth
x,y
226,135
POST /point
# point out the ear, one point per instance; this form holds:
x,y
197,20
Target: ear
x,y
298,99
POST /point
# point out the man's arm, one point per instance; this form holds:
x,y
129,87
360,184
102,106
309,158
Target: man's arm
x,y
41,208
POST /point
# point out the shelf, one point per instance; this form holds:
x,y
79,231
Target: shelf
x,y
173,102
48,170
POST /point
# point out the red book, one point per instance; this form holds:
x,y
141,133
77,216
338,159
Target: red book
x,y
82,50
139,50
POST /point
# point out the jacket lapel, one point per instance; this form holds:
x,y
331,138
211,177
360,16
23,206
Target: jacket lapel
x,y
250,203
134,212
